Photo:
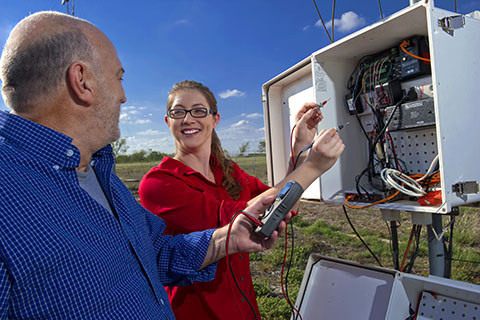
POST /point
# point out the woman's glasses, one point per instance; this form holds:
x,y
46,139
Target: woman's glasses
x,y
195,112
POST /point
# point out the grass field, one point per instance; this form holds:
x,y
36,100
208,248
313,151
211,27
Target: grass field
x,y
323,229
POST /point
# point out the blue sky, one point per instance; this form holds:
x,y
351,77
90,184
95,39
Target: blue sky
x,y
231,46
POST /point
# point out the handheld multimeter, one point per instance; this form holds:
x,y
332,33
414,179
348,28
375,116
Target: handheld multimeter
x,y
283,203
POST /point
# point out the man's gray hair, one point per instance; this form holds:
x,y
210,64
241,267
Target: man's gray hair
x,y
34,71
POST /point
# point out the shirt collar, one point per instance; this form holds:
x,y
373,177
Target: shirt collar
x,y
180,168
43,142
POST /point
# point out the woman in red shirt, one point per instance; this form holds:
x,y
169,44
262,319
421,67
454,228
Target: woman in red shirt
x,y
199,188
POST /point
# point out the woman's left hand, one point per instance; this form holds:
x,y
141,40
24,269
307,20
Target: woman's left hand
x,y
307,119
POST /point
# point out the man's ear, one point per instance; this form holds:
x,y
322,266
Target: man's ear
x,y
80,83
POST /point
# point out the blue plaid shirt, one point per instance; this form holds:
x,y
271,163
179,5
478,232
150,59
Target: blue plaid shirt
x,y
63,255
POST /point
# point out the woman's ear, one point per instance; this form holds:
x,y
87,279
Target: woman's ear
x,y
216,119
80,83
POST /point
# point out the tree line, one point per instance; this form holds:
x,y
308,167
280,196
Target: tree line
x,y
120,149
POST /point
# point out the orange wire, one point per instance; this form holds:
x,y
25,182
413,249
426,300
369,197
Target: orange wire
x,y
402,46
350,197
435,180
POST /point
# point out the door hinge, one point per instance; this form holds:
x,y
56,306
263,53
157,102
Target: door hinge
x,y
449,24
467,187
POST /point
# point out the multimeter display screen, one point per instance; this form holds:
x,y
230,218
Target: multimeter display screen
x,y
285,189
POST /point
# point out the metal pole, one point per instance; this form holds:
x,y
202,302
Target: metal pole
x,y
393,226
436,250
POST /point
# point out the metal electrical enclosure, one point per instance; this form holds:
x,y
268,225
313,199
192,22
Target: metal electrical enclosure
x,y
454,45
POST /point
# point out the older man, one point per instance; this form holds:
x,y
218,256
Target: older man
x,y
74,243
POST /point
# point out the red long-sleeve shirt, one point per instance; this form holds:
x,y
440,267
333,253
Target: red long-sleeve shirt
x,y
188,202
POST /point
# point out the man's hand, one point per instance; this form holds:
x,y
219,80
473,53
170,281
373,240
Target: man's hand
x,y
244,239
242,235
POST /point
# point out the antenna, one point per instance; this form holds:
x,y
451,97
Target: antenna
x,y
72,12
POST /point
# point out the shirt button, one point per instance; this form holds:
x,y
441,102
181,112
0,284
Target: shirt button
x,y
241,278
241,256
56,167
69,152
243,299
161,301
92,162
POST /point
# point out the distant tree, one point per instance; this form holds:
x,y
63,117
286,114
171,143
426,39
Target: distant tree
x,y
119,147
261,147
138,156
243,148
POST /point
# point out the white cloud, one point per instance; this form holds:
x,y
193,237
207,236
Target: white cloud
x,y
231,93
182,22
133,112
252,115
143,121
164,144
240,123
306,28
124,118
235,135
150,132
348,21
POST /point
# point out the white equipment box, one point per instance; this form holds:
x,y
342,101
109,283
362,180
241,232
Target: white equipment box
x,y
337,289
454,82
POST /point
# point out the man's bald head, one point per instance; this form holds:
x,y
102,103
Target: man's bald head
x,y
37,55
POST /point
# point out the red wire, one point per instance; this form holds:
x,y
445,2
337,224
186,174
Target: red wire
x,y
291,146
394,152
281,275
407,249
257,222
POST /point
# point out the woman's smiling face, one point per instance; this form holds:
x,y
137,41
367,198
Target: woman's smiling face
x,y
191,134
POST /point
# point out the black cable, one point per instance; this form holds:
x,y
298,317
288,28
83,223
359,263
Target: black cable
x,y
455,1
390,237
354,230
395,157
323,23
393,226
289,266
333,20
370,165
463,260
408,268
233,274
380,7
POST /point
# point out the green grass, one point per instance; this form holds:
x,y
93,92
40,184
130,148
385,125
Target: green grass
x,y
322,229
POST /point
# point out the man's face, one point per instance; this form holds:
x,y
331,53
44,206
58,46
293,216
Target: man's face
x,y
110,93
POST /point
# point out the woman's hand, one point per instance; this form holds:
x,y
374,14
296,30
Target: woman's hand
x,y
325,151
307,119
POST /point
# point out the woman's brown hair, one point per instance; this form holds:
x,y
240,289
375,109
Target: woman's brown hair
x,y
232,186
